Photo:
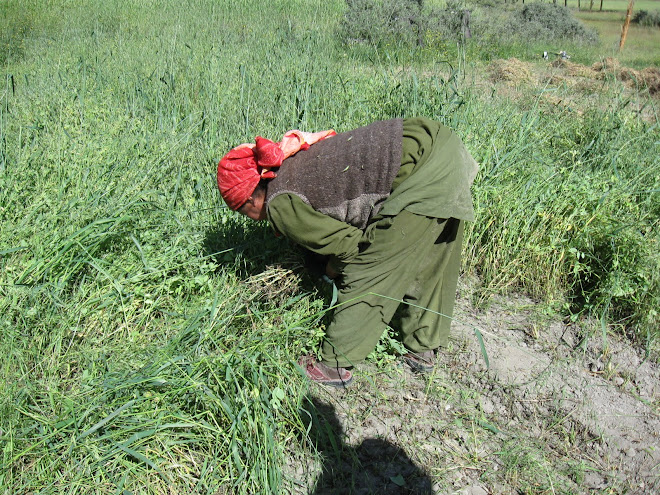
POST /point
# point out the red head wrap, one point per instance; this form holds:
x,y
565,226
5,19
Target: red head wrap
x,y
240,170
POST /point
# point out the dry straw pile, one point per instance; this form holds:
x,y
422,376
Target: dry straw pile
x,y
514,71
511,71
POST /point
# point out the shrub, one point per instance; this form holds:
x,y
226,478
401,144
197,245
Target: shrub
x,y
450,21
648,19
409,22
545,21
382,22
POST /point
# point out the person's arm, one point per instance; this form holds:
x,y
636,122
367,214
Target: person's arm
x,y
298,221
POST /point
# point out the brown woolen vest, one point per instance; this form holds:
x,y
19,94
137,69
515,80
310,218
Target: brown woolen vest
x,y
347,176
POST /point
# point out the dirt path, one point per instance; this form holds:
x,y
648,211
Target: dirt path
x,y
557,411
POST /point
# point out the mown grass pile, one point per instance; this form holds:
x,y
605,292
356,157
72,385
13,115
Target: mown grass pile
x,y
135,353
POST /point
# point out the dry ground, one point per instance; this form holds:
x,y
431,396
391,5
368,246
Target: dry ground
x,y
559,409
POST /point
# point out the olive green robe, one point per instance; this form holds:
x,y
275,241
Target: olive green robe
x,y
407,258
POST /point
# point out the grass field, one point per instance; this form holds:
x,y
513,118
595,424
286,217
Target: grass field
x,y
615,5
641,47
147,335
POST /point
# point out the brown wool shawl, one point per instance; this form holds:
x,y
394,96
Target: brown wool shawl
x,y
346,177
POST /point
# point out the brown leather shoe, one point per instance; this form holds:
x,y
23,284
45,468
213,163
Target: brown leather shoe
x,y
322,373
421,362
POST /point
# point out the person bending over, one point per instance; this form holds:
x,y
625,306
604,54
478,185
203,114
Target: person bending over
x,y
387,204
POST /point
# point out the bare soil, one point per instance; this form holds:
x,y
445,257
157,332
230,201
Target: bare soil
x,y
560,408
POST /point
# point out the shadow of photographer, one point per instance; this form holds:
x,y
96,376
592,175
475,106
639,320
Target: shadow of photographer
x,y
375,466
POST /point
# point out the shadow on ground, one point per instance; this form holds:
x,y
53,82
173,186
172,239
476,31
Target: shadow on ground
x,y
253,250
249,245
376,466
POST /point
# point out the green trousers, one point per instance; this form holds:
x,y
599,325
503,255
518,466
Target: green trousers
x,y
409,258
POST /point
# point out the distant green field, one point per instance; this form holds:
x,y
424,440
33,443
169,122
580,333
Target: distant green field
x,y
614,5
642,47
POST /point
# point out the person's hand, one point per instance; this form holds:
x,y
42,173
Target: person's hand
x,y
331,272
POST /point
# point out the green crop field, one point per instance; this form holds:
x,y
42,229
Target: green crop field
x,y
148,335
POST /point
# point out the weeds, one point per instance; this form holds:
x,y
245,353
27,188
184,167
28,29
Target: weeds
x,y
587,193
17,26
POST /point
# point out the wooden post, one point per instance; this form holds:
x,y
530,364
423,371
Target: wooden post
x,y
601,5
626,23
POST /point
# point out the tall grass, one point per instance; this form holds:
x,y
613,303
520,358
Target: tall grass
x,y
569,210
136,355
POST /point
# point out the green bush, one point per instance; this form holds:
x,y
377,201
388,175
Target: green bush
x,y
382,22
648,19
449,21
546,21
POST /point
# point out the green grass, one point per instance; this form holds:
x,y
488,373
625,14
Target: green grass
x,y
615,5
137,353
641,46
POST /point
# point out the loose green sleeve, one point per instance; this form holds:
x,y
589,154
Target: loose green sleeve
x,y
298,221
